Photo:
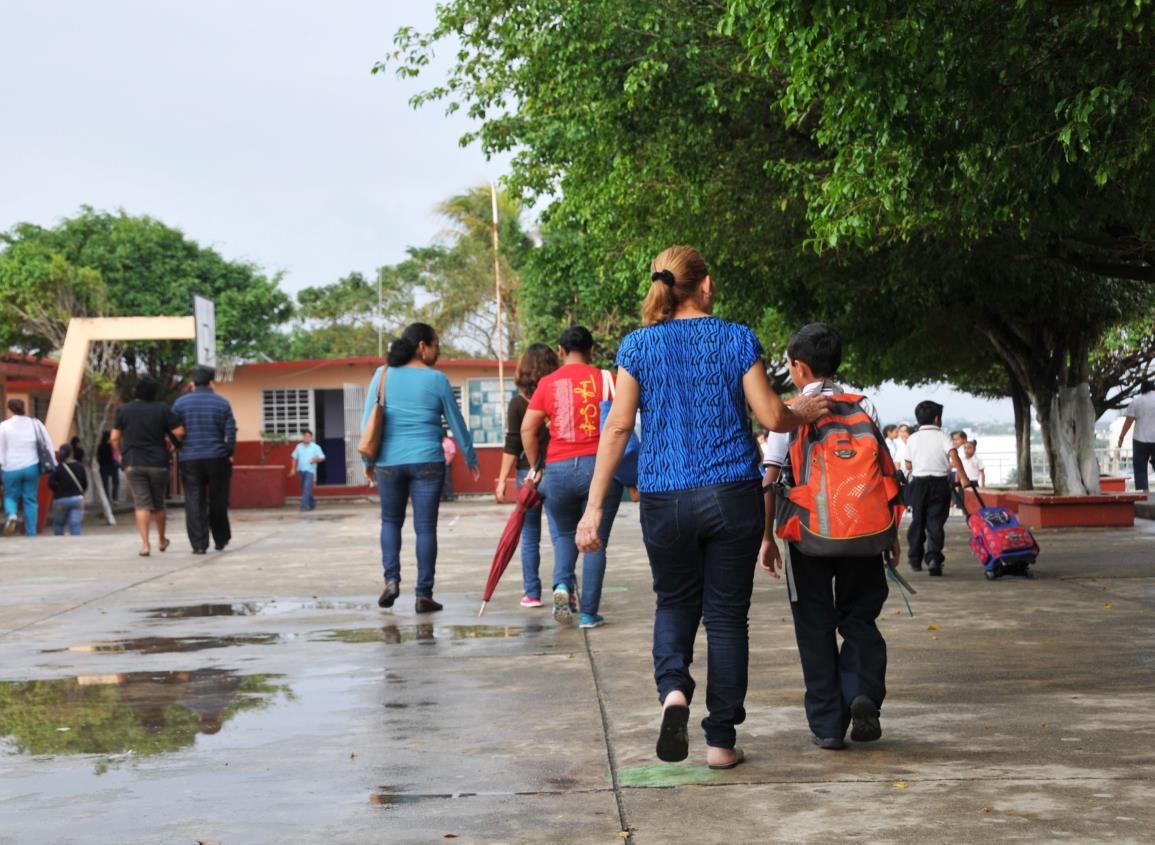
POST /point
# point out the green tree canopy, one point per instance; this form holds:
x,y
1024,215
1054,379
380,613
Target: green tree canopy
x,y
127,266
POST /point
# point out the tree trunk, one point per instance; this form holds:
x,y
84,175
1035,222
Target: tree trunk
x,y
1067,416
1022,405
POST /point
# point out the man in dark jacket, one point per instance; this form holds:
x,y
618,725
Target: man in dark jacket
x,y
206,461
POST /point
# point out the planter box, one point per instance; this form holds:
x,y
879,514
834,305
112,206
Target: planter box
x,y
1113,483
258,487
1037,511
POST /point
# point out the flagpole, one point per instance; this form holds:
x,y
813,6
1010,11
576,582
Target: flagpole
x,y
497,292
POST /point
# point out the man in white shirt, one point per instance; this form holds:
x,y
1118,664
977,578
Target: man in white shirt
x,y
930,456
1141,414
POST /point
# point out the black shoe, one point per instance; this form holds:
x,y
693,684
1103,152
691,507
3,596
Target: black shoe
x,y
864,726
390,594
673,741
828,743
220,547
935,570
198,551
916,567
424,605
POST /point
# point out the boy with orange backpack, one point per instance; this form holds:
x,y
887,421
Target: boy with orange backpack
x,y
832,486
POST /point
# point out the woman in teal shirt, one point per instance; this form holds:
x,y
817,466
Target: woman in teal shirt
x,y
411,463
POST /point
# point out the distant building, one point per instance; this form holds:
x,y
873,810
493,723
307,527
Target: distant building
x,y
28,378
277,400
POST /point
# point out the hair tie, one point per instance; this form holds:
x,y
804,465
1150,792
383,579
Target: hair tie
x,y
664,276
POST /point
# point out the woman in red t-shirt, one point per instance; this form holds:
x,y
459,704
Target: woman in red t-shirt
x,y
570,398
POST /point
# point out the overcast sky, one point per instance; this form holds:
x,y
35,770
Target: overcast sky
x,y
253,126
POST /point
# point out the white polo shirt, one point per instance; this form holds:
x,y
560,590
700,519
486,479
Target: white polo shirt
x,y
778,442
927,451
972,466
1142,408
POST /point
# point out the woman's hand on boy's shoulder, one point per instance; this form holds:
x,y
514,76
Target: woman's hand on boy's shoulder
x,y
810,406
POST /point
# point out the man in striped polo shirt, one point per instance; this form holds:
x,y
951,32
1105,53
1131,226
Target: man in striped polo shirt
x,y
206,461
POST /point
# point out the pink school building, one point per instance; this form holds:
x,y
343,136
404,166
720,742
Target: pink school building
x,y
274,402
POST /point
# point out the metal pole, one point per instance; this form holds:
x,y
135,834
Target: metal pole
x,y
380,317
497,291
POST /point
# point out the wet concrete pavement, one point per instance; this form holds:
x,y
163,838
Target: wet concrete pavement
x,y
259,695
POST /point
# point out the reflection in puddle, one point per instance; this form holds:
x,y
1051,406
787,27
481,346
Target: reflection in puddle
x,y
139,713
168,645
428,633
389,797
249,608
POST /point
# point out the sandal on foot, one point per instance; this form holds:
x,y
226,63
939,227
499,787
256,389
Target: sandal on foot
x,y
144,553
673,741
164,546
739,756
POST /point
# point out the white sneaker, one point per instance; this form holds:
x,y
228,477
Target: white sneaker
x,y
10,526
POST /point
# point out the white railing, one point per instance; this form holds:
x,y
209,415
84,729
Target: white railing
x,y
1002,467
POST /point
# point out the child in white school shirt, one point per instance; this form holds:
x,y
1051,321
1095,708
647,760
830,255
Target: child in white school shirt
x,y
930,456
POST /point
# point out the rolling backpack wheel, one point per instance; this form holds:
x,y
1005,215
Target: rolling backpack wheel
x,y
990,574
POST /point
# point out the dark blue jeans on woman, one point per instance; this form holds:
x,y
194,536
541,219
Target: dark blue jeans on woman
x,y
703,548
530,545
397,485
565,487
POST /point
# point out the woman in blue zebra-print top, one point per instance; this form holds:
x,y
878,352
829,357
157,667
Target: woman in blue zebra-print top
x,y
695,378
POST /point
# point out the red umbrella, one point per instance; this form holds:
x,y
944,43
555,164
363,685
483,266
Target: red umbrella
x,y
527,499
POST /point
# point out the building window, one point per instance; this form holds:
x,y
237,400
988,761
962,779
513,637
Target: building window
x,y
457,396
287,411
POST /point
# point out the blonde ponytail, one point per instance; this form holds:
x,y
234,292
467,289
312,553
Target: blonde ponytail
x,y
676,276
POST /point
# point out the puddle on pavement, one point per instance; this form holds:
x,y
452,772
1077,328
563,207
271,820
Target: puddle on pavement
x,y
167,645
388,797
398,634
133,713
249,608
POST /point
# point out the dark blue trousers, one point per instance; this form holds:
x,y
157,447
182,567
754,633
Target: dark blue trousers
x,y
843,595
703,549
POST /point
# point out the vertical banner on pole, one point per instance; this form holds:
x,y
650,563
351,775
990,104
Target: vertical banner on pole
x,y
205,314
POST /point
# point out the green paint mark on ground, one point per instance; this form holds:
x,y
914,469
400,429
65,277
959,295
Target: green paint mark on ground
x,y
667,775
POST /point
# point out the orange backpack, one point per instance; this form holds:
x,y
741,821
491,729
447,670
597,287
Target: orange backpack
x,y
839,491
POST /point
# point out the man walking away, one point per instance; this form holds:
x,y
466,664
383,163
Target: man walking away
x,y
1141,414
306,455
206,461
139,436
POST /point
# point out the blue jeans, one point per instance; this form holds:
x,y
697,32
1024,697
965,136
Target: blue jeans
x,y
565,486
703,548
530,545
308,479
22,484
69,510
397,485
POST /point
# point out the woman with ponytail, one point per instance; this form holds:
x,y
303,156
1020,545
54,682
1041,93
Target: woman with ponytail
x,y
411,463
695,378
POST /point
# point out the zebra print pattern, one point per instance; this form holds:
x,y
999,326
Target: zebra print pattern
x,y
695,429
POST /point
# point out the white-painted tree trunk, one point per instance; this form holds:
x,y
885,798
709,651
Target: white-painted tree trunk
x,y
1068,421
